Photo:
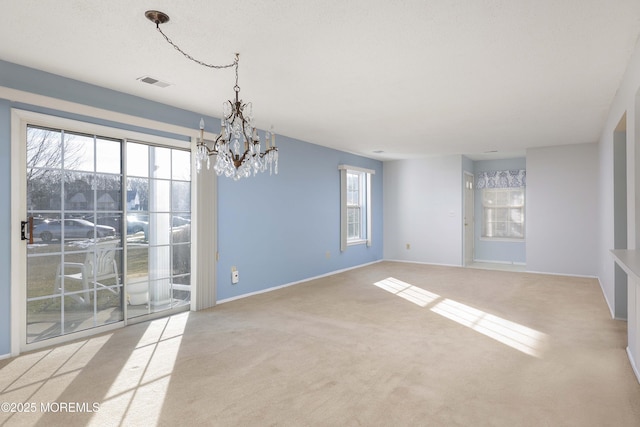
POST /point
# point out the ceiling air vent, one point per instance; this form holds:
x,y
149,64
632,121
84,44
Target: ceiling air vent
x,y
152,81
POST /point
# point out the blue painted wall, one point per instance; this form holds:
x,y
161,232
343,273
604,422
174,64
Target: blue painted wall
x,y
467,166
276,229
486,250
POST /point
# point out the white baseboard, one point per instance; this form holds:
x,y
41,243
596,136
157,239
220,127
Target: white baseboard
x,y
633,365
583,276
611,307
286,285
5,356
500,262
422,263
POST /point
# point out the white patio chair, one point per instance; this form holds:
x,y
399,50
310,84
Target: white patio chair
x,y
99,265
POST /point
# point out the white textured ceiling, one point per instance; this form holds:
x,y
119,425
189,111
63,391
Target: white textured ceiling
x,y
411,78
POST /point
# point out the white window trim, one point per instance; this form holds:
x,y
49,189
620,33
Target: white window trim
x,y
344,242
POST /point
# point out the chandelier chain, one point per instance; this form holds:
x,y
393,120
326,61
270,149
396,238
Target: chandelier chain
x,y
237,129
186,55
236,87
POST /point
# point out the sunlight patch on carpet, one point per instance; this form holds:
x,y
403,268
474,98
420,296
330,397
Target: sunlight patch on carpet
x,y
519,337
40,378
514,335
137,394
409,292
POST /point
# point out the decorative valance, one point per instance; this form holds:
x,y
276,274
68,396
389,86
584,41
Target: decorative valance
x,y
502,179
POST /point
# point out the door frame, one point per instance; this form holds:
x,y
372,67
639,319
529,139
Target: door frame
x,y
470,223
19,121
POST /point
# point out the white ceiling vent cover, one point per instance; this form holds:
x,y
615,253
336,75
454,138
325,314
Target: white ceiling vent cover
x,y
153,81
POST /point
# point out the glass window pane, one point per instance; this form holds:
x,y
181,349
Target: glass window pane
x,y
159,196
106,219
159,266
137,263
137,159
41,275
72,273
515,215
180,196
43,148
137,227
180,229
489,214
516,230
488,197
78,316
181,290
44,189
76,227
502,198
500,229
137,297
487,229
43,319
181,259
109,302
353,188
79,192
108,156
159,228
353,223
517,198
160,162
78,152
44,239
181,165
137,194
108,192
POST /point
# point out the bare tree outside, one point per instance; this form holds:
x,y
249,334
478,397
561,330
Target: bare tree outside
x,y
44,152
44,163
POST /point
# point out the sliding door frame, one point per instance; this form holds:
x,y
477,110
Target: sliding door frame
x,y
20,118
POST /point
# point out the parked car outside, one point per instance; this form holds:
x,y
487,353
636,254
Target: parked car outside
x,y
178,221
73,229
136,225
111,220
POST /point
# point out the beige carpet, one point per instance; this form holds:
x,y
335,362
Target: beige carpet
x,y
390,344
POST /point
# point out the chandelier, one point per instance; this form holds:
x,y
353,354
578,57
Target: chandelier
x,y
237,150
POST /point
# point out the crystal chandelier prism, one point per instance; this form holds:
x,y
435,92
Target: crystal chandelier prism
x,y
237,150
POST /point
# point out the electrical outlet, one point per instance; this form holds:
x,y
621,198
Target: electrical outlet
x,y
328,254
408,245
235,276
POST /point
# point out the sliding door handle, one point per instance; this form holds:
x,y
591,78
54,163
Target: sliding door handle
x,y
25,228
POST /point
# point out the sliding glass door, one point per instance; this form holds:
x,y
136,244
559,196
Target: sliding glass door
x,y
75,252
106,243
159,207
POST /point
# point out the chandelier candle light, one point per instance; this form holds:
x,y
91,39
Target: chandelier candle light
x,y
237,147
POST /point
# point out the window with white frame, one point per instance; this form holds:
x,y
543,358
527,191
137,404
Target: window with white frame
x,y
355,206
503,204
